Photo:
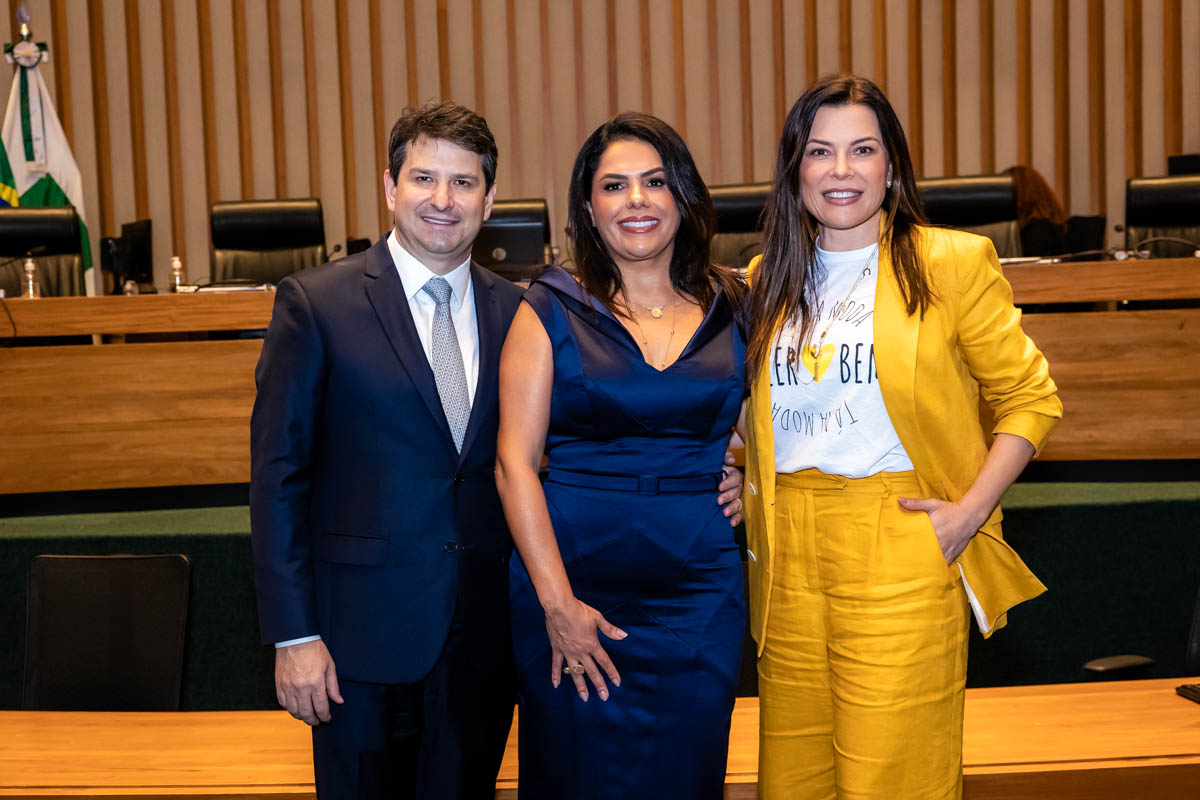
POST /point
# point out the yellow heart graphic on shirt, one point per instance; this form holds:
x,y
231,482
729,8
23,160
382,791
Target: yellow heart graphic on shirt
x,y
814,363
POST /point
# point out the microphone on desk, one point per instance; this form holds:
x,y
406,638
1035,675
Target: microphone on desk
x,y
1136,250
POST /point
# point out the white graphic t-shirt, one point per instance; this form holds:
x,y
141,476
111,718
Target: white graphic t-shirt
x,y
826,407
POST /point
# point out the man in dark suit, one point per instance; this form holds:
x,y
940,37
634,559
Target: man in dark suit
x,y
380,547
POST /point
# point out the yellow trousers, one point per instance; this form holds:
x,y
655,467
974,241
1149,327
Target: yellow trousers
x,y
862,678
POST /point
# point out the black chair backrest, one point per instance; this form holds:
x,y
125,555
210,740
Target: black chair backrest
x,y
105,633
513,240
1167,208
54,232
1085,234
739,210
1185,164
983,204
266,240
357,244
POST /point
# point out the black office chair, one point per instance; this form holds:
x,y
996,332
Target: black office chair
x,y
739,233
105,633
54,234
983,204
1162,215
515,240
264,241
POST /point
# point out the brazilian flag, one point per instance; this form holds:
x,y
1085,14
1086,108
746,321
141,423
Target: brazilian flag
x,y
37,168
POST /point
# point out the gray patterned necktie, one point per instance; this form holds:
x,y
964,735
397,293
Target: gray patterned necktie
x,y
446,360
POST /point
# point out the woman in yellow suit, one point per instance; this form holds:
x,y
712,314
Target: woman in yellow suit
x,y
872,493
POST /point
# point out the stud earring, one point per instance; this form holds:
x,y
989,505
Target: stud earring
x,y
889,183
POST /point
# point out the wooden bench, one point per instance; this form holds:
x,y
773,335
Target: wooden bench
x,y
1067,742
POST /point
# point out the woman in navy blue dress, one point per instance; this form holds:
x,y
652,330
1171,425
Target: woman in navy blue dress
x,y
626,591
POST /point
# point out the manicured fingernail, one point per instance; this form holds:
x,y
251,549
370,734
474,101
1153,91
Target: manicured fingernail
x,y
621,634
616,681
604,695
583,696
555,682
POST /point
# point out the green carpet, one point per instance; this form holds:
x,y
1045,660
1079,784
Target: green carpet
x,y
1042,495
169,522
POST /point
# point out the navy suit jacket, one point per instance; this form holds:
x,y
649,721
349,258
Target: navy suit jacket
x,y
367,526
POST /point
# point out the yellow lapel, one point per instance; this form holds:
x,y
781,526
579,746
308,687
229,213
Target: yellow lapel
x,y
896,337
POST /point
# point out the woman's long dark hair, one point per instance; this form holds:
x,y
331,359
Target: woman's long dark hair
x,y
692,270
786,281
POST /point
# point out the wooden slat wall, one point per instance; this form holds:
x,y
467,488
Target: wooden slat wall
x,y
733,67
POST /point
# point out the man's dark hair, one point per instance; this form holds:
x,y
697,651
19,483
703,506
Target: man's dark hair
x,y
444,120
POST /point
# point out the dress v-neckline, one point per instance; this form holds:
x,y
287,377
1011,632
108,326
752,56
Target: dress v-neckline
x,y
560,279
642,355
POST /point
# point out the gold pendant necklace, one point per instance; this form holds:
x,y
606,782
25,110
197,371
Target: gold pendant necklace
x,y
815,357
670,336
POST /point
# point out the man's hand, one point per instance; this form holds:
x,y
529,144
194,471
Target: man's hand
x,y
305,681
730,488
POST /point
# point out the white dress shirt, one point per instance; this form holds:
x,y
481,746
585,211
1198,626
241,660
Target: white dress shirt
x,y
414,275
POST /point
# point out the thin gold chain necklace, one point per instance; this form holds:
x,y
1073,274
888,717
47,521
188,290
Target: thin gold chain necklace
x,y
670,336
814,352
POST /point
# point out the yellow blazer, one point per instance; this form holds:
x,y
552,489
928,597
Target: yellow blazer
x,y
931,373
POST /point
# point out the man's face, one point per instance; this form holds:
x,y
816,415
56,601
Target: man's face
x,y
438,202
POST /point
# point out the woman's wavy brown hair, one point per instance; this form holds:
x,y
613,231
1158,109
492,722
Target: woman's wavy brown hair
x,y
693,272
787,281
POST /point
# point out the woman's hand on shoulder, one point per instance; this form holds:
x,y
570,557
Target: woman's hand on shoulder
x,y
572,628
953,524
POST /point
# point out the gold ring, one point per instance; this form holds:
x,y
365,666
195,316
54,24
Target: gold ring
x,y
575,670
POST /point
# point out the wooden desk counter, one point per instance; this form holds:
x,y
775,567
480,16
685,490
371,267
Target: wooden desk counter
x,y
143,313
1096,740
1092,281
110,416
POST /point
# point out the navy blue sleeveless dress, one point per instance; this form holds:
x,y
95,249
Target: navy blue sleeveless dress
x,y
635,456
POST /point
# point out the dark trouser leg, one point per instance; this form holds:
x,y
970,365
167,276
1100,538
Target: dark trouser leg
x,y
370,747
467,713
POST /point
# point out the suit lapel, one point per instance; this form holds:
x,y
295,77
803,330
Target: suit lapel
x,y
490,326
386,294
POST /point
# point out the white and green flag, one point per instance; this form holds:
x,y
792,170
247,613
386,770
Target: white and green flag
x,y
39,159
